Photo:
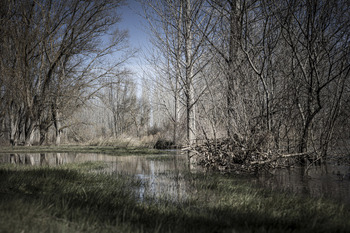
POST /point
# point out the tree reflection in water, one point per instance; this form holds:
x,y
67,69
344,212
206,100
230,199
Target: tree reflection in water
x,y
327,180
160,176
163,176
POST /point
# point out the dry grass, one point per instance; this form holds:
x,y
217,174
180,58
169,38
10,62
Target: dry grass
x,y
125,141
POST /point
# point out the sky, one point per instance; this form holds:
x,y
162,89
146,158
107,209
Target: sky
x,y
132,20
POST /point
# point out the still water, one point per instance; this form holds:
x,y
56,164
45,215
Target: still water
x,y
330,180
163,175
160,175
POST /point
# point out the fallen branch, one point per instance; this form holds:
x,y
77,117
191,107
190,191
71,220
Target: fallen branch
x,y
238,155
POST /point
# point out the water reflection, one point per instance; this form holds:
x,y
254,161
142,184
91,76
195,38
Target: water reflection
x,y
163,176
329,180
52,159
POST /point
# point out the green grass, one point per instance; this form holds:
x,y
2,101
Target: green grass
x,y
111,150
72,199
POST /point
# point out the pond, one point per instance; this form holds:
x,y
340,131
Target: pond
x,y
163,175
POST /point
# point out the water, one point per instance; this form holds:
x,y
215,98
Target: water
x,y
329,180
163,175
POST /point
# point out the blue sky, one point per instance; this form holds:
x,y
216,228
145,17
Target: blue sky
x,y
134,23
132,20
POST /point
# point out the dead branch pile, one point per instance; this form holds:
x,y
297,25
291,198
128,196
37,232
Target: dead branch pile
x,y
237,155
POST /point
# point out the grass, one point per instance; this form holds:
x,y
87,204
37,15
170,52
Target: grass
x,y
125,141
111,150
72,199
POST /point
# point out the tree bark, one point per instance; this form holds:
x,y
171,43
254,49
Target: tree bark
x,y
190,126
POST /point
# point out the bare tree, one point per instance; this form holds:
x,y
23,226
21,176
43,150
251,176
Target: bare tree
x,y
317,35
54,51
181,34
119,98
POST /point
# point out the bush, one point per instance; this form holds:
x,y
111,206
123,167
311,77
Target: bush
x,y
164,144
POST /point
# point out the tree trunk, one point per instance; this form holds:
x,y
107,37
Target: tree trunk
x,y
13,130
15,124
57,124
190,126
58,130
303,144
178,75
43,135
176,106
29,136
234,39
190,116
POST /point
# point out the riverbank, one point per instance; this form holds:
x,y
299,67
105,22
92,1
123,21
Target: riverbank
x,y
111,150
75,198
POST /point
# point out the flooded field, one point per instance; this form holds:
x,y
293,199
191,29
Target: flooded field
x,y
160,175
163,175
331,181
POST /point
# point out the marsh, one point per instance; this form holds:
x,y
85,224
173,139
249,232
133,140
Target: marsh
x,y
164,193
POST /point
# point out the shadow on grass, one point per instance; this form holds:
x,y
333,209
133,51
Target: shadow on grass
x,y
94,202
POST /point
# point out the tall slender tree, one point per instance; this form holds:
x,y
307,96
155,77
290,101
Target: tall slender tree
x,y
179,28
